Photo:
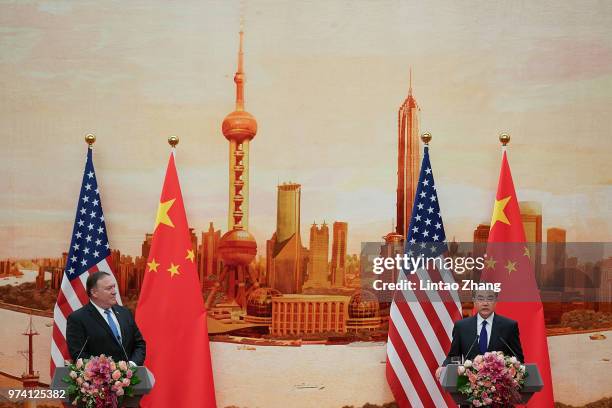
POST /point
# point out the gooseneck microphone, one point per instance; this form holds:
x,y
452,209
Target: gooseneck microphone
x,y
471,347
509,348
127,359
82,348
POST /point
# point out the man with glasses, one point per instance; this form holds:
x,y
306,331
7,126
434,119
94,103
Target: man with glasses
x,y
485,331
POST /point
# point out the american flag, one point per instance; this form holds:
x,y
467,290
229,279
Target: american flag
x,y
421,321
89,252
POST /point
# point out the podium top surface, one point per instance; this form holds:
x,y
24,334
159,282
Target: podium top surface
x,y
533,382
143,387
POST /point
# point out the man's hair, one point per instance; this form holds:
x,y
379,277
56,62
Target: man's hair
x,y
93,279
475,292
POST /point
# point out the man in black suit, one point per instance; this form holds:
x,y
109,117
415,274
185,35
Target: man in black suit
x,y
485,331
104,327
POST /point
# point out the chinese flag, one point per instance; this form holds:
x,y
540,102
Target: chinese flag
x,y
508,262
170,311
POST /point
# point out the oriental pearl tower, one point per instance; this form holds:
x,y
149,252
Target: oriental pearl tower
x,y
237,247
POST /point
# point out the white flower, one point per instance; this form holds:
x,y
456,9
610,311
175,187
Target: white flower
x,y
461,370
513,359
522,368
467,363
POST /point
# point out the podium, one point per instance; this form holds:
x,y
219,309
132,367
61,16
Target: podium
x,y
533,383
140,389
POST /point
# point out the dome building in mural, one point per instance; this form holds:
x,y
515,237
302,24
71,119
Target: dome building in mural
x,y
259,306
363,312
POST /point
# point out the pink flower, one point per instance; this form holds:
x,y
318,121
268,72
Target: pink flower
x,y
113,366
73,375
79,381
123,365
118,384
128,374
120,392
116,374
126,382
487,401
476,403
79,363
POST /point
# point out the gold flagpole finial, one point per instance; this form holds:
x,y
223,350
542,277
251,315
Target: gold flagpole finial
x,y
504,138
173,141
426,138
90,139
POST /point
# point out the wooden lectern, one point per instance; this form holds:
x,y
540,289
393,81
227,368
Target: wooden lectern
x,y
140,389
533,383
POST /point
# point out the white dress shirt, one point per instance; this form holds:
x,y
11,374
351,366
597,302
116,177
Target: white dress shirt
x,y
479,321
112,313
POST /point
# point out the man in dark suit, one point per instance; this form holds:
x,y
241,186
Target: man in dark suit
x,y
104,327
485,331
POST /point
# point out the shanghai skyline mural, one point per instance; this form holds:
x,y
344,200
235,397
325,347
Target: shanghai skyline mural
x,y
300,140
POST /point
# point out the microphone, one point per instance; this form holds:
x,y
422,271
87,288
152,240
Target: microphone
x,y
82,348
127,359
471,347
509,348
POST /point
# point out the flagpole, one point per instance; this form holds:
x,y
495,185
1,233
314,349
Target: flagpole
x,y
90,139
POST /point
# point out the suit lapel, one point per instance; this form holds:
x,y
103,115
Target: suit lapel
x,y
101,321
494,335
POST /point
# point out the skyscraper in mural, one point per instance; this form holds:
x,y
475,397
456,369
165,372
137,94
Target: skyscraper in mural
x,y
286,257
237,247
338,259
531,217
480,239
209,262
555,257
318,263
408,160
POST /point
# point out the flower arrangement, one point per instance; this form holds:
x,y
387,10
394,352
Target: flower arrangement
x,y
99,382
491,379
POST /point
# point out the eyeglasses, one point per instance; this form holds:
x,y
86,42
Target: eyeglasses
x,y
485,298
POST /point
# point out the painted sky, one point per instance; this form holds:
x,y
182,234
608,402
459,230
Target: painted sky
x,y
324,80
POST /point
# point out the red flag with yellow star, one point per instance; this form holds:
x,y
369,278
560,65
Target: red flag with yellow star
x,y
508,262
170,311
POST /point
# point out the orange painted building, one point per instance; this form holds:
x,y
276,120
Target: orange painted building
x,y
299,314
